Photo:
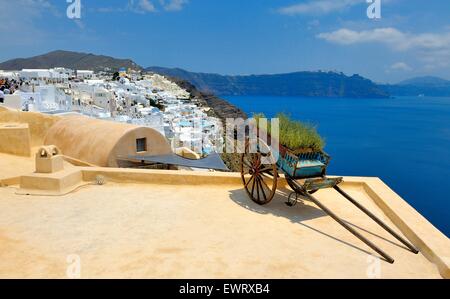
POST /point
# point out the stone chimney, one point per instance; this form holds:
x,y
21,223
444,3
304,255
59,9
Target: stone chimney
x,y
49,160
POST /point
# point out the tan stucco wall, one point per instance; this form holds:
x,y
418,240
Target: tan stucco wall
x,y
428,239
126,146
15,139
38,123
101,142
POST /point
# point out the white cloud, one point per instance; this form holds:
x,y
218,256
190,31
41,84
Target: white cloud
x,y
173,5
147,6
400,66
141,6
313,24
345,36
432,48
392,37
318,7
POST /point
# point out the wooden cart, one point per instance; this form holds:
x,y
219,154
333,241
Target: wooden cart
x,y
305,173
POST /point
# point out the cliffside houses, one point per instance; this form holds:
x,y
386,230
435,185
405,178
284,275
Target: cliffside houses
x,y
151,101
55,75
85,74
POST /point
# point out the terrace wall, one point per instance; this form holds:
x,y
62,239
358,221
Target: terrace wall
x,y
38,123
15,139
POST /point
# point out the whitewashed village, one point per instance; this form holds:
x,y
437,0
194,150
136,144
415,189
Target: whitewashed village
x,y
127,96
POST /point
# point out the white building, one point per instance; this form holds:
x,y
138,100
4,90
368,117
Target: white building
x,y
54,75
85,74
30,101
8,75
12,101
102,97
35,74
63,73
124,81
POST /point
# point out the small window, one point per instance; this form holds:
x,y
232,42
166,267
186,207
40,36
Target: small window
x,y
141,145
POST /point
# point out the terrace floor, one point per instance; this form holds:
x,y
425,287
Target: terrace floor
x,y
12,166
203,231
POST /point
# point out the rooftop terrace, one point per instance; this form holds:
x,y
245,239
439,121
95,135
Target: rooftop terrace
x,y
175,224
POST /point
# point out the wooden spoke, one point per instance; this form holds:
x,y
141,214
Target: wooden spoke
x,y
248,182
253,186
265,184
257,188
266,168
262,189
267,175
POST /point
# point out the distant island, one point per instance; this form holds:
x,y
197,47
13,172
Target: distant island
x,y
427,86
307,84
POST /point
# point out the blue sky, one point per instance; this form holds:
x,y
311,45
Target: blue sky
x,y
242,36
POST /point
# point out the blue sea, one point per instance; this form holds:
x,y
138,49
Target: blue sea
x,y
405,141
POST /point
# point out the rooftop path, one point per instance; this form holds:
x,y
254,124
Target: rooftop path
x,y
166,230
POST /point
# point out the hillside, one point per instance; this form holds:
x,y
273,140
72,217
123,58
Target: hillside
x,y
309,84
428,81
72,60
222,108
428,86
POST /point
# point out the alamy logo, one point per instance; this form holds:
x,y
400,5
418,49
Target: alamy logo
x,y
374,267
73,270
74,9
374,9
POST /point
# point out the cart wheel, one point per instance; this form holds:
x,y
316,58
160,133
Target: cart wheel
x,y
292,199
260,180
296,188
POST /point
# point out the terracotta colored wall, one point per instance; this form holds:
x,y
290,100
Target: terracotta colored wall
x,y
100,142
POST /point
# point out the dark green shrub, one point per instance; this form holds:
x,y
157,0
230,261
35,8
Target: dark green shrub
x,y
295,135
